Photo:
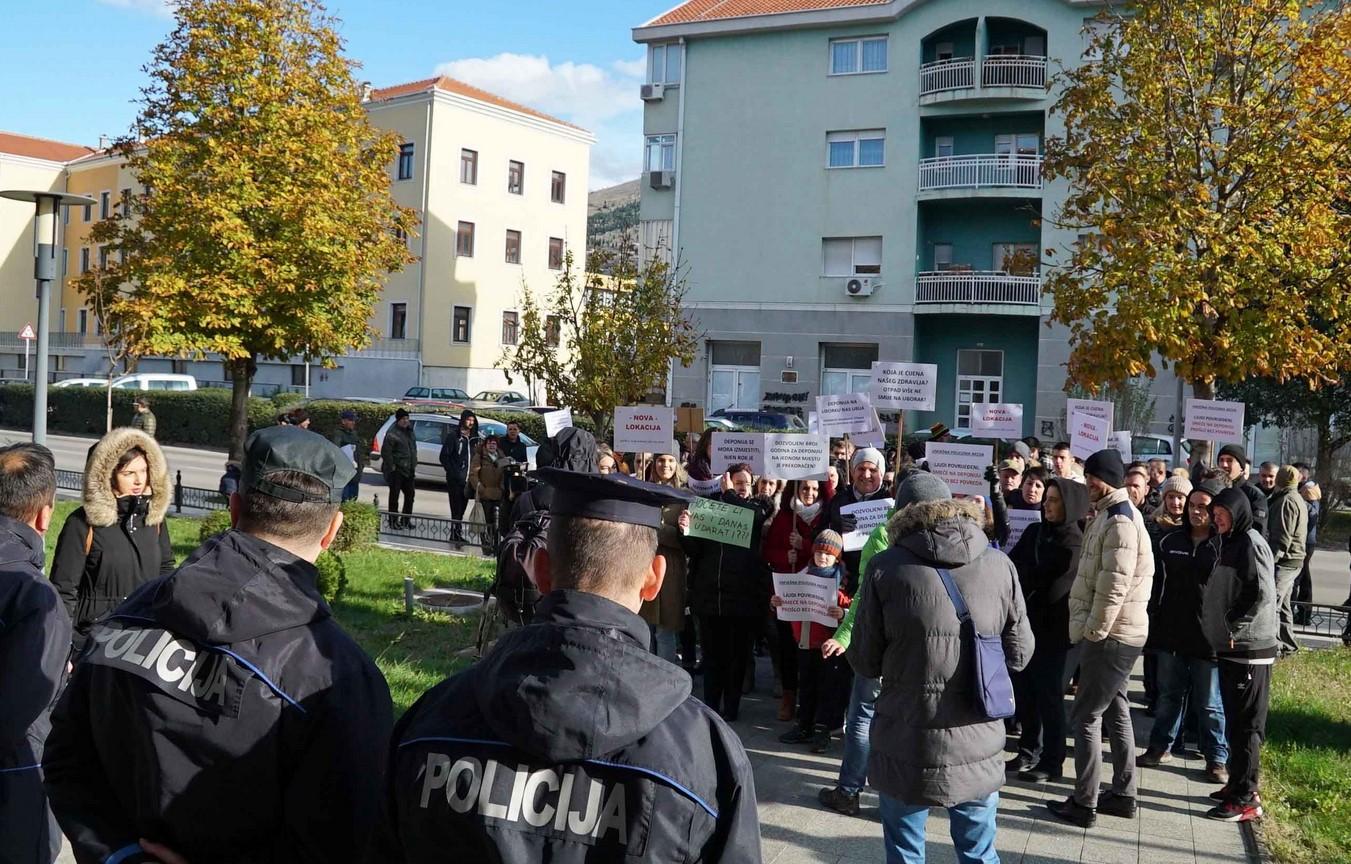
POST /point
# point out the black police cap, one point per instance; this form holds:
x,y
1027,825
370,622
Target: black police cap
x,y
610,497
289,448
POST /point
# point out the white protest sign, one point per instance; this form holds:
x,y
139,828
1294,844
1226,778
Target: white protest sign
x,y
644,429
874,437
1120,442
867,516
557,421
706,487
791,456
1101,410
732,448
1208,420
997,419
350,451
813,425
1088,435
806,598
961,466
850,412
897,386
1018,522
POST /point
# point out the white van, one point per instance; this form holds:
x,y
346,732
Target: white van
x,y
155,381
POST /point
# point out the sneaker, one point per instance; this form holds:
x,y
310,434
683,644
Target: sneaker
x,y
1073,812
1220,794
1233,811
834,798
796,735
1018,765
1121,806
1152,758
1038,775
1216,773
821,740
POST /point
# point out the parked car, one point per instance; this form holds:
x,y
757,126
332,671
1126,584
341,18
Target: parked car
x,y
763,420
721,424
82,382
501,397
431,430
435,394
155,381
1146,447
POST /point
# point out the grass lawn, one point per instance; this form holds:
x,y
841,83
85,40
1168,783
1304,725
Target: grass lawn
x,y
1306,763
414,652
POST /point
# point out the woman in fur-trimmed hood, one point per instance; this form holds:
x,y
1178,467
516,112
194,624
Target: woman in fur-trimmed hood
x,y
117,540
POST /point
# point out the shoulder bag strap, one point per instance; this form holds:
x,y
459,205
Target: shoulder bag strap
x,y
958,602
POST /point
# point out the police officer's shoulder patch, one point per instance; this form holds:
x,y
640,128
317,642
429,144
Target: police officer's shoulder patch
x,y
208,680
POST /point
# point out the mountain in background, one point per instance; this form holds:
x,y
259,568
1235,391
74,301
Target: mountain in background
x,y
612,216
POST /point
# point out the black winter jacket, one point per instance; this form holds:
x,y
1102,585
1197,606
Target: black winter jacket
x,y
1047,558
570,742
34,644
222,712
1183,569
730,580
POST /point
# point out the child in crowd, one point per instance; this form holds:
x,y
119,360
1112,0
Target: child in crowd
x,y
823,684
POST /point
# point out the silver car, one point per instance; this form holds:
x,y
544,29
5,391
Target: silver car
x,y
431,430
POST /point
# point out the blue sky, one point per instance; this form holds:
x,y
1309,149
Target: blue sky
x,y
572,59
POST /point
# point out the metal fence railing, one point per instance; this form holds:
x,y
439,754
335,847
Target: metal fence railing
x,y
1323,619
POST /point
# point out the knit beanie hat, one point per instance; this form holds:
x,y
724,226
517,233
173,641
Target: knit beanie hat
x,y
1236,451
1107,466
1287,477
1213,486
829,542
1022,451
922,486
1176,484
867,454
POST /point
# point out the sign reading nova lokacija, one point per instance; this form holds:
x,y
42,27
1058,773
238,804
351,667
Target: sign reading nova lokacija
x,y
1088,435
1000,419
644,429
725,523
898,386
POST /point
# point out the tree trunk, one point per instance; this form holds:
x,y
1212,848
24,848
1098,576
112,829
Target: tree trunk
x,y
242,371
1202,390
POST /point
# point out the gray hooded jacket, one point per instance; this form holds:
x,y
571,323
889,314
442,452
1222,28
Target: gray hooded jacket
x,y
931,743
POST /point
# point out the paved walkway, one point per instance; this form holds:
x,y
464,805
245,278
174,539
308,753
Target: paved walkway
x,y
1170,827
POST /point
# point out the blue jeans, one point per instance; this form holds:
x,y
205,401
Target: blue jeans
x,y
858,722
972,825
1178,675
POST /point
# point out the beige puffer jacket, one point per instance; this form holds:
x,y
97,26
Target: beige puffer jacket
x,y
1116,571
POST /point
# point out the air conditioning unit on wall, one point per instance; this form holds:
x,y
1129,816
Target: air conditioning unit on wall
x,y
861,286
661,179
653,92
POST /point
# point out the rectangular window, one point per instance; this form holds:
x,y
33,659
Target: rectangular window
x,y
84,259
942,256
513,247
464,240
459,324
1020,144
1017,259
943,51
851,256
297,374
558,187
105,205
515,177
858,56
400,235
126,202
733,376
103,257
980,378
406,161
89,212
510,327
862,149
82,319
846,368
553,330
469,167
398,320
555,253
663,63
943,146
660,154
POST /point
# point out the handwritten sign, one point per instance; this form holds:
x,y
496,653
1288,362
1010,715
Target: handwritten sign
x,y
874,437
1120,442
961,466
644,429
997,419
706,487
867,516
1210,420
1088,435
732,448
557,421
790,456
838,415
723,523
1101,410
904,385
1018,522
806,598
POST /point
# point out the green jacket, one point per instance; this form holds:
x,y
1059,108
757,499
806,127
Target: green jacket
x,y
877,542
144,421
342,437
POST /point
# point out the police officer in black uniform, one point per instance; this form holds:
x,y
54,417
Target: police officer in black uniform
x,y
220,713
570,741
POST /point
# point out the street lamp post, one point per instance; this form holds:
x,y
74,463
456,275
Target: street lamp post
x,y
46,234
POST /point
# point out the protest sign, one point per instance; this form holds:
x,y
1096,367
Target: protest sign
x,y
874,437
731,448
1088,435
997,419
1120,442
644,429
867,516
724,523
961,466
898,386
806,598
1208,420
849,412
706,487
1018,522
790,456
1101,410
813,425
557,421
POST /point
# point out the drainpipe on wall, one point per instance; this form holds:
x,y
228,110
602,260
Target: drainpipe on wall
x,y
680,155
422,264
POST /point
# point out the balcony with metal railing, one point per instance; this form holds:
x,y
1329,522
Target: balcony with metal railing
x,y
1014,71
986,171
960,287
941,76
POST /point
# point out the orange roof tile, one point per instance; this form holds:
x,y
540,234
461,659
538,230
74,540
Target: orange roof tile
x,y
714,10
41,148
451,85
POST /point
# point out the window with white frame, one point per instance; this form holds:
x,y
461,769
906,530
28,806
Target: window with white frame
x,y
660,154
980,378
1019,259
858,56
459,324
105,205
663,63
1017,144
865,148
846,368
943,146
851,256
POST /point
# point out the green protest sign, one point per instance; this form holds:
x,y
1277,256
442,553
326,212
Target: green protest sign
x,y
725,523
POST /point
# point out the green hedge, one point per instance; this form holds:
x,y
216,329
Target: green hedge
x,y
360,527
332,579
